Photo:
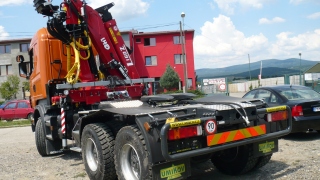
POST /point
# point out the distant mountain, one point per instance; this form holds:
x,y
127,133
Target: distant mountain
x,y
270,68
266,72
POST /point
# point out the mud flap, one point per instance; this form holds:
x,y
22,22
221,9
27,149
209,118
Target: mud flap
x,y
172,170
263,148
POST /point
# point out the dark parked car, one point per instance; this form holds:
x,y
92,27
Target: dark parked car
x,y
16,109
303,101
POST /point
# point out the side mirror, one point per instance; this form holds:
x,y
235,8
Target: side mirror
x,y
19,58
23,70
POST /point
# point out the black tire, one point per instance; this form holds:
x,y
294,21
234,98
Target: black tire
x,y
115,126
235,161
98,151
200,159
131,157
30,116
40,137
262,161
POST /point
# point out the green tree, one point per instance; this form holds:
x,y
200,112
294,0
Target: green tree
x,y
170,79
10,87
26,85
250,87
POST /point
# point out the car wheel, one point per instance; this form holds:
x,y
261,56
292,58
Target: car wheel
x,y
30,116
235,161
131,157
98,151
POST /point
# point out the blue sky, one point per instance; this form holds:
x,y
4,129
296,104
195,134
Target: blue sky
x,y
226,31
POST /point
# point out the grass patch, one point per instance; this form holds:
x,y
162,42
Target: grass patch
x,y
80,175
15,123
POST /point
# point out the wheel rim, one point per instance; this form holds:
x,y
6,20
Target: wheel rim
x,y
130,162
30,117
91,154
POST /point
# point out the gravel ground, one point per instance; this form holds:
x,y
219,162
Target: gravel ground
x,y
298,158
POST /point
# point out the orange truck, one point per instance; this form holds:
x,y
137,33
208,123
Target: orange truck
x,y
85,87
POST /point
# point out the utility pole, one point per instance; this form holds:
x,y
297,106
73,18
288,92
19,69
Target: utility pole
x,y
249,67
182,39
300,82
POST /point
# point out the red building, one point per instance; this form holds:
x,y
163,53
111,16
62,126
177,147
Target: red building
x,y
153,51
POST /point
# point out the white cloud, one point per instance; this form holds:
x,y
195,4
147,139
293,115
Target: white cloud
x,y
221,44
13,2
229,6
123,9
297,2
272,21
289,46
314,15
3,33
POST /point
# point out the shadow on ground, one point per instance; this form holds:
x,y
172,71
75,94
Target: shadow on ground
x,y
273,170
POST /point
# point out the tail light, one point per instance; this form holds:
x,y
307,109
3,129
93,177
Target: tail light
x,y
184,132
277,116
297,111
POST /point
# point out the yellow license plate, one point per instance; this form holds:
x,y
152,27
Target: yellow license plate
x,y
266,147
173,172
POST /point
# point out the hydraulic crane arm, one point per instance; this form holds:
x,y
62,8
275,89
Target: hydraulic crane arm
x,y
77,24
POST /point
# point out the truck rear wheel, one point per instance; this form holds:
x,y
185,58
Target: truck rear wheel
x,y
234,161
40,138
262,161
98,151
131,157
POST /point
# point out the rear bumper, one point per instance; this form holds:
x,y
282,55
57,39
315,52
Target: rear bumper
x,y
303,124
211,149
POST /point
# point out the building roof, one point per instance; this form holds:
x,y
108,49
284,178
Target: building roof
x,y
314,69
15,40
136,33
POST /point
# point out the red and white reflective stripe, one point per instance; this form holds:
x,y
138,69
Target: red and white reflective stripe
x,y
63,122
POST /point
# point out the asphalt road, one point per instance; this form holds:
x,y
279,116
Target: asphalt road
x,y
19,159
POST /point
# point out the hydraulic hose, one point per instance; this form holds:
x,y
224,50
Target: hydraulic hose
x,y
73,73
71,78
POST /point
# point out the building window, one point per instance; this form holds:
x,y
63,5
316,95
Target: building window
x,y
24,47
149,41
5,70
151,60
138,40
5,49
189,83
177,39
178,59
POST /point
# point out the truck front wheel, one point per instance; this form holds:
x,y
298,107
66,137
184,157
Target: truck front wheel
x,y
97,151
131,157
234,161
40,138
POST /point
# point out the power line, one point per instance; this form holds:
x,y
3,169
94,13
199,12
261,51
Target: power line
x,y
150,26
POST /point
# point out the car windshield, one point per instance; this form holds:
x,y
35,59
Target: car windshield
x,y
296,94
3,104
